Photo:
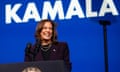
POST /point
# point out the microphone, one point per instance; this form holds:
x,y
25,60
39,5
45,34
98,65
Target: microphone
x,y
28,47
28,52
37,46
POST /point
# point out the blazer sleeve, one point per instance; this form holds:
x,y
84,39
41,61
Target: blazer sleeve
x,y
67,56
28,57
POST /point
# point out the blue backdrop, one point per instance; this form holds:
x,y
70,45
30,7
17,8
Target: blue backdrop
x,y
84,35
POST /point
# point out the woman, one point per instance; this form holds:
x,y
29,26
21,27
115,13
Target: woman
x,y
47,47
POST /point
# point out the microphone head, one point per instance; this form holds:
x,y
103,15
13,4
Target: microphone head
x,y
28,47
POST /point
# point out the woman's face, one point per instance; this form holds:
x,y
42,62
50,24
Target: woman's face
x,y
46,32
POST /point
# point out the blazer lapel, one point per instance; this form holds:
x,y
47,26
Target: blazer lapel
x,y
53,52
40,55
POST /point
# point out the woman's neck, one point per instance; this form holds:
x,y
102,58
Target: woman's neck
x,y
46,42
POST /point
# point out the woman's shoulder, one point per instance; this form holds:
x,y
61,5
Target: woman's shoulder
x,y
60,43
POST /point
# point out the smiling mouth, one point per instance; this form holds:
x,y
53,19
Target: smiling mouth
x,y
47,34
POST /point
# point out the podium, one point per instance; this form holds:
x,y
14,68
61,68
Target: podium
x,y
40,66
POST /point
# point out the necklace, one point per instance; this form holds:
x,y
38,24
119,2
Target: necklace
x,y
46,47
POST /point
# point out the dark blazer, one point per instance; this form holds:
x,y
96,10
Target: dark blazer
x,y
58,51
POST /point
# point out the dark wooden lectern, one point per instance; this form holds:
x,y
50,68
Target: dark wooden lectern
x,y
40,66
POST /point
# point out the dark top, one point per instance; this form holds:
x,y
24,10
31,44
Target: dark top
x,y
45,50
57,51
46,55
